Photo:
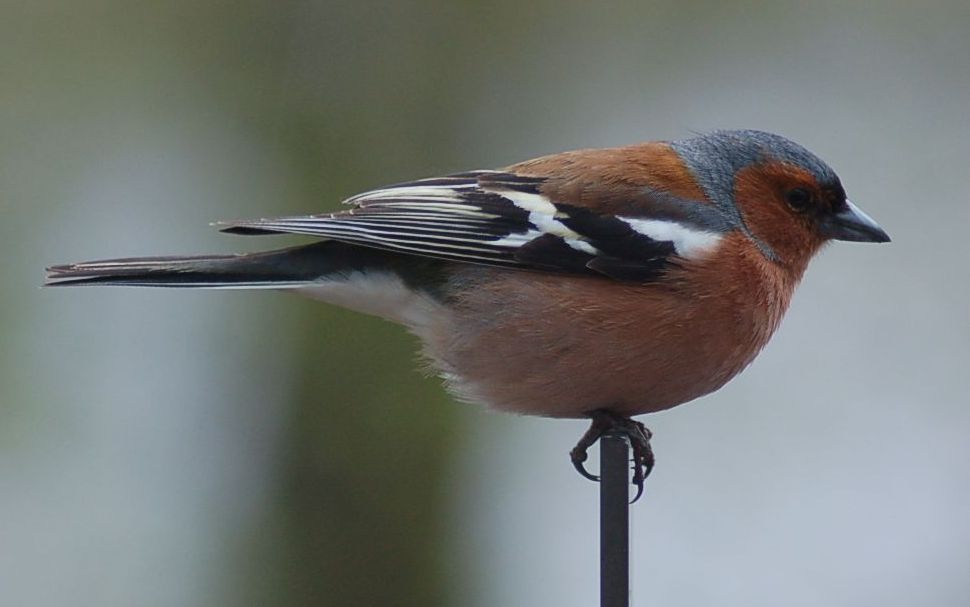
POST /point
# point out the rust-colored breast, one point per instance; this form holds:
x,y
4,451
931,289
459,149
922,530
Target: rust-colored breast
x,y
560,346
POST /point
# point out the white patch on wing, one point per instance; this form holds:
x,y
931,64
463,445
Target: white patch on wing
x,y
687,242
378,293
550,225
517,240
583,246
542,214
534,203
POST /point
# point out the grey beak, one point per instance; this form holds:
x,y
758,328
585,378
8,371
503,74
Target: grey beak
x,y
852,223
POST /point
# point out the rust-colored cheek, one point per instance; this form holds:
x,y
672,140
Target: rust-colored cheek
x,y
759,195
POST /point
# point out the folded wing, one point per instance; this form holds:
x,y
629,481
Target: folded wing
x,y
499,219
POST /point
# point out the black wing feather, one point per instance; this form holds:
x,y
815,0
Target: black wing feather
x,y
485,217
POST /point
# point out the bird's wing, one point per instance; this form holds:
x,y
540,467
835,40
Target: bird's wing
x,y
494,218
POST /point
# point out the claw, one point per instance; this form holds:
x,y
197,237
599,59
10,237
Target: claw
x,y
604,421
643,459
578,456
639,486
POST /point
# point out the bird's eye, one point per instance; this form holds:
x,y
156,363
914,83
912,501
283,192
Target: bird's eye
x,y
799,199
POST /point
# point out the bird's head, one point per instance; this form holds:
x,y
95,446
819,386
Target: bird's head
x,y
783,196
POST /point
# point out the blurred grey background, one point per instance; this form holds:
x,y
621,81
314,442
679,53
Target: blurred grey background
x,y
252,448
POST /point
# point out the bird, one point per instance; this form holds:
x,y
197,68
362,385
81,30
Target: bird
x,y
597,284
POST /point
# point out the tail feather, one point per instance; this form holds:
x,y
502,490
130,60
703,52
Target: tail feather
x,y
273,269
401,288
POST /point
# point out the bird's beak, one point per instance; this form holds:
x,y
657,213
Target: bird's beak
x,y
852,223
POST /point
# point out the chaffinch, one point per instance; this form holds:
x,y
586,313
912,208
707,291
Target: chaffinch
x,y
601,283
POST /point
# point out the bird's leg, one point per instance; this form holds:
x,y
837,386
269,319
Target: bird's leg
x,y
604,421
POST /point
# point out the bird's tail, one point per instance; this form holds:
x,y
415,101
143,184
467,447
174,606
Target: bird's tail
x,y
272,269
400,288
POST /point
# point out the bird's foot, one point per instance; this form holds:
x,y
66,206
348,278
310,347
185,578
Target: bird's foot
x,y
606,421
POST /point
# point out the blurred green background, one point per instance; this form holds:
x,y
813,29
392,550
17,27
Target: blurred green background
x,y
233,448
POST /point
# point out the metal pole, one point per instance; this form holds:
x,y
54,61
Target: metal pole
x,y
614,520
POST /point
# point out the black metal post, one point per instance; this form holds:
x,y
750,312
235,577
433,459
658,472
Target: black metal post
x,y
614,520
